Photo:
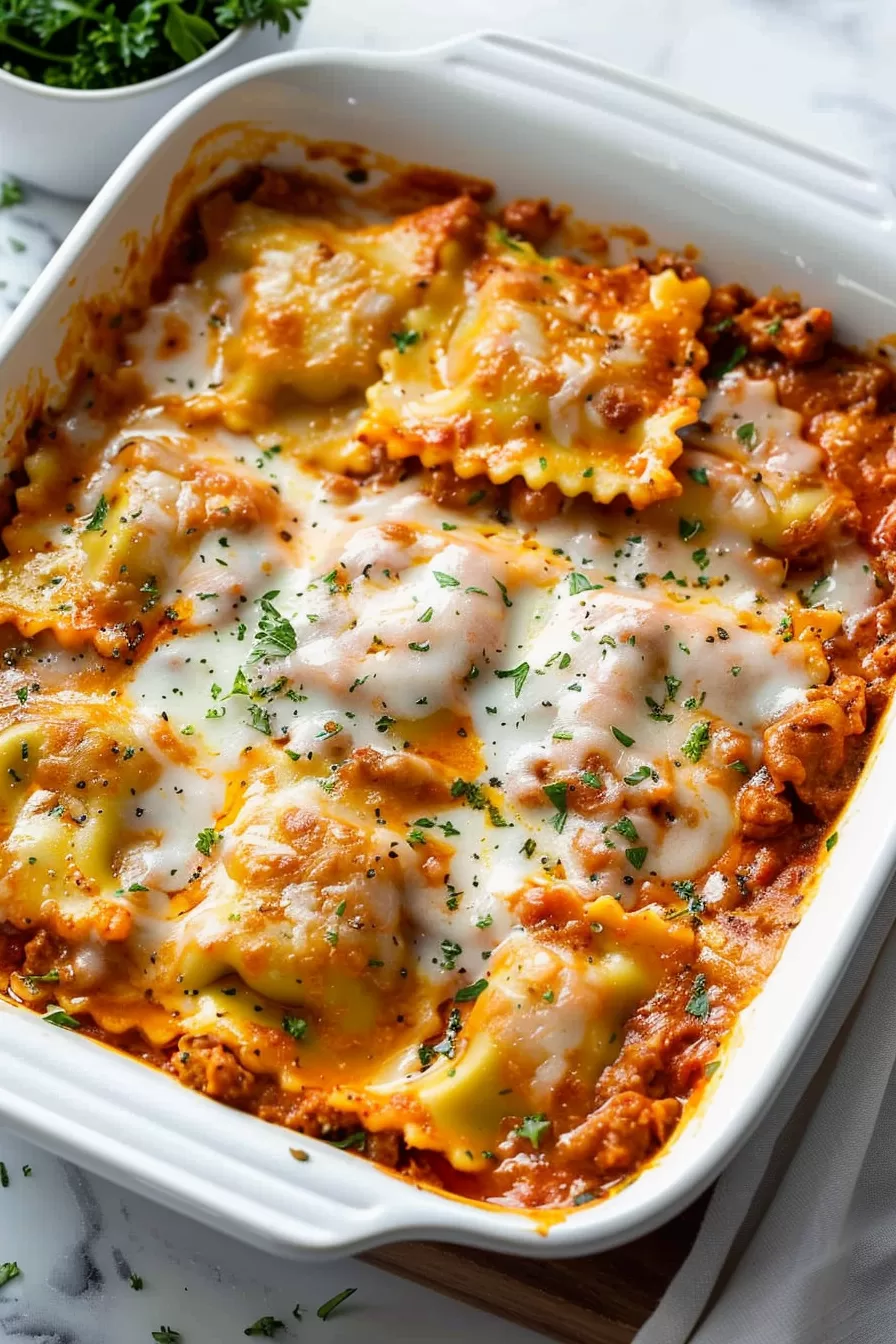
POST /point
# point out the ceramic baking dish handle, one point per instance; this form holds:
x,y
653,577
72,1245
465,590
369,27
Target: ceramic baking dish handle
x,y
685,122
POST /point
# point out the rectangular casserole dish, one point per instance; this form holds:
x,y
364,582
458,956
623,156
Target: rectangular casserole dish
x,y
763,211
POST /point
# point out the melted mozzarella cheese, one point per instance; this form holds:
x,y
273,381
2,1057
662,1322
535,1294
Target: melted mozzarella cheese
x,y
742,421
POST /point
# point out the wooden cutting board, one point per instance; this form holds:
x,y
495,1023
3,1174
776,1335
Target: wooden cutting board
x,y
600,1299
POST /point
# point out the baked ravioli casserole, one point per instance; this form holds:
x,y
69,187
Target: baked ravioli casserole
x,y
434,660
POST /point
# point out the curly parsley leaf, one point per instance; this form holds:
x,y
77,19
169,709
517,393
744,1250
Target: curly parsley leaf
x,y
266,1327
91,45
206,838
9,1270
696,742
532,1128
275,636
10,193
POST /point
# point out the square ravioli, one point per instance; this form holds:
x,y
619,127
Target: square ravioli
x,y
305,304
548,369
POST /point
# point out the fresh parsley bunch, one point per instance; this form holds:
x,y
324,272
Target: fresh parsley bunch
x,y
84,44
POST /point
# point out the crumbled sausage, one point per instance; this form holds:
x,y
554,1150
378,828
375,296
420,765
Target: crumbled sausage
x,y
619,407
807,748
533,220
763,810
623,1132
208,1066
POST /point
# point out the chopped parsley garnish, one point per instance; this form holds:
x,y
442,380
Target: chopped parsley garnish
x,y
4,1175
275,636
532,1127
725,366
694,904
206,838
637,856
57,1017
688,528
450,953
699,474
638,776
260,720
426,617
9,1270
265,1326
578,583
591,779
167,1336
97,519
296,1027
831,841
11,193
474,794
357,1140
746,435
519,675
135,1282
86,46
445,580
51,977
698,1004
404,340
622,737
696,742
468,992
329,1307
625,826
556,795
151,589
502,589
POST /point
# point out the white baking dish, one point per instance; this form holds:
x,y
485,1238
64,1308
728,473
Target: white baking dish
x,y
536,120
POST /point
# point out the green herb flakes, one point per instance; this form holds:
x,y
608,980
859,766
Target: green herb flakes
x,y
532,1127
330,1306
698,1003
9,1270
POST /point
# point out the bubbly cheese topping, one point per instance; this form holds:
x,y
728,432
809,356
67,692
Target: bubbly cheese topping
x,y
299,762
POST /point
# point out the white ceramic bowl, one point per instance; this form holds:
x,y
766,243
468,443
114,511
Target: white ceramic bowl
x,y
70,140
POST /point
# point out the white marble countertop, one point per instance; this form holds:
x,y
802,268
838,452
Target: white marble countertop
x,y
819,69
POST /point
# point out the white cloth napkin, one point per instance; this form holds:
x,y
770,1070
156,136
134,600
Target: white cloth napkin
x,y
798,1245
